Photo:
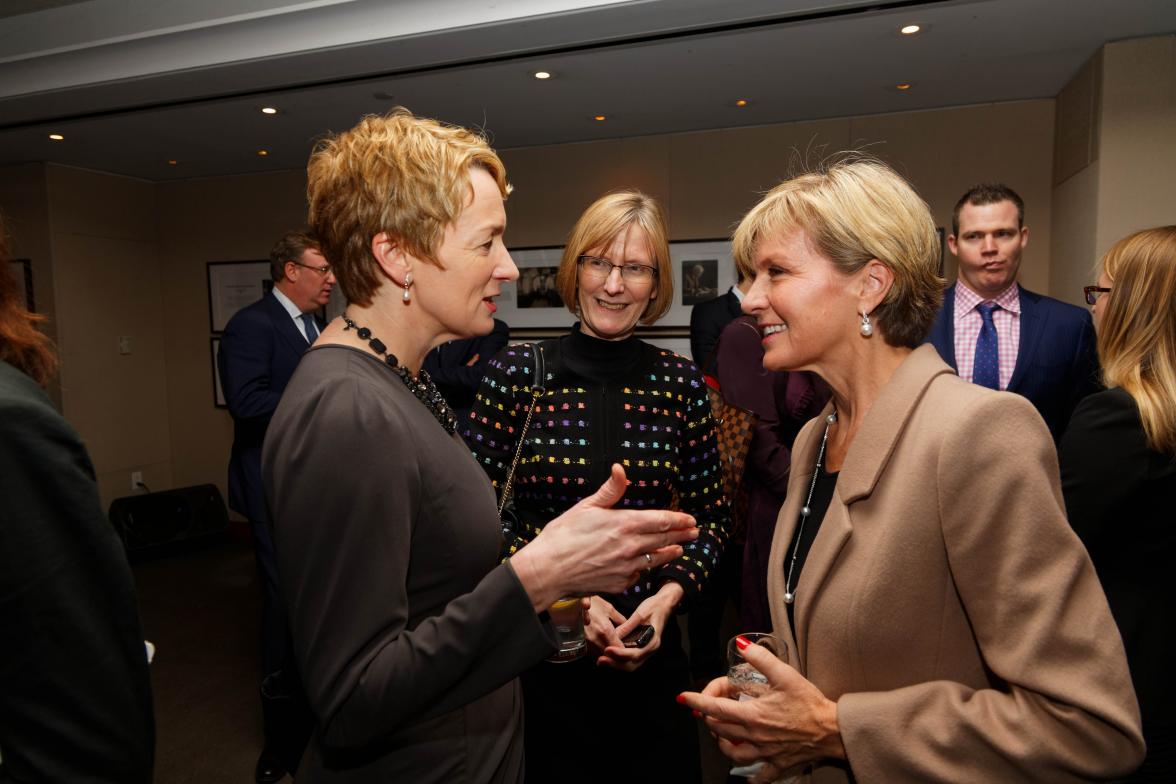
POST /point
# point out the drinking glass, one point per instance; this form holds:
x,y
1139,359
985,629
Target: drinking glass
x,y
749,681
567,617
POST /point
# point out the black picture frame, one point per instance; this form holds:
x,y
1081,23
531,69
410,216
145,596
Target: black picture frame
x,y
231,286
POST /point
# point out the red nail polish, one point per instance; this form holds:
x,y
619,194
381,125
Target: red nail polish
x,y
742,642
681,698
697,715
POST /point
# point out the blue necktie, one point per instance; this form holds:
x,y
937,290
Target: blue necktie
x,y
312,332
986,368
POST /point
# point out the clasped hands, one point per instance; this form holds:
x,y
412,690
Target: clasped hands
x,y
790,725
605,628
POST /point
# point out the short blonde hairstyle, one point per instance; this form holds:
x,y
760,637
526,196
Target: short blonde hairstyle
x,y
1137,329
401,174
605,219
855,209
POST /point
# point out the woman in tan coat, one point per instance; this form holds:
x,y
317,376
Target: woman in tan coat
x,y
943,621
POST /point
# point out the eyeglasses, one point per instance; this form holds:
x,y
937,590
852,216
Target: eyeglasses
x,y
323,270
602,268
1092,293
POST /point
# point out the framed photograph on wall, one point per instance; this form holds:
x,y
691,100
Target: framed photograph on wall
x,y
22,271
702,270
231,286
532,303
218,392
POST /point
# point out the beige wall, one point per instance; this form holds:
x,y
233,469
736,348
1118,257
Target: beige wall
x,y
1115,163
107,281
1137,138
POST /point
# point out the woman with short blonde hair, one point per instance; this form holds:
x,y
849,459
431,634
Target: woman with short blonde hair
x,y
408,631
936,607
1118,463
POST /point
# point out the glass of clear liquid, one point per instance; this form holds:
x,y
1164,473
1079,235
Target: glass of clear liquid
x,y
750,682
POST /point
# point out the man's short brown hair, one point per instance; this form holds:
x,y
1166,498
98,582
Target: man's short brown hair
x,y
398,174
987,193
290,248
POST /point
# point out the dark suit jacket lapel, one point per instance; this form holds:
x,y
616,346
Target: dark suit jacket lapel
x,y
734,307
868,454
285,325
1031,324
943,330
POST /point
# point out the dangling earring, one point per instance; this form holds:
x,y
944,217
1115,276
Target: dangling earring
x,y
407,283
867,327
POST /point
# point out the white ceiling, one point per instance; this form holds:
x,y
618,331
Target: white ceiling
x,y
134,83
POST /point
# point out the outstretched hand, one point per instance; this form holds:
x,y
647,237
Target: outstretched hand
x,y
593,548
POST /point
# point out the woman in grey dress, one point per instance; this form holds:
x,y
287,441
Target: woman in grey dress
x,y
408,631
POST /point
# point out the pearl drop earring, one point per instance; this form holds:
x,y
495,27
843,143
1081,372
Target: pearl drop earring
x,y
407,283
867,327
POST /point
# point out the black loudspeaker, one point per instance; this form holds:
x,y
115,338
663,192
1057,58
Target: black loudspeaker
x,y
170,520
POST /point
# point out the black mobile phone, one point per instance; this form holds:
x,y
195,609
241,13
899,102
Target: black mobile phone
x,y
639,637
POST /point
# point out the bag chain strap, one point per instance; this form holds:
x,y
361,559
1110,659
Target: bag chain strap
x,y
537,391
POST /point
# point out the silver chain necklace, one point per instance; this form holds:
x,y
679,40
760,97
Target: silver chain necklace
x,y
806,510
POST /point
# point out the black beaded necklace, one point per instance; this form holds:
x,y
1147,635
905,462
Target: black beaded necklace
x,y
422,386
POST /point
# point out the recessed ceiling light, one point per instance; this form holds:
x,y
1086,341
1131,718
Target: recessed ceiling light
x,y
263,153
902,86
542,74
57,137
910,29
268,110
742,102
600,118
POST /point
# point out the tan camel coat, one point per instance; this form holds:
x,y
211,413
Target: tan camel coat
x,y
946,605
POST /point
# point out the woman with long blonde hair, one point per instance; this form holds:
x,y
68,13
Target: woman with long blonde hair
x,y
1118,462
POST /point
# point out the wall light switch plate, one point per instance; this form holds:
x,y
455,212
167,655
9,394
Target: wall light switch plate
x,y
124,344
136,479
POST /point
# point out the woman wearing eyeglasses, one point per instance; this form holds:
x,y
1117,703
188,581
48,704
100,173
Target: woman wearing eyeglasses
x,y
1118,462
610,397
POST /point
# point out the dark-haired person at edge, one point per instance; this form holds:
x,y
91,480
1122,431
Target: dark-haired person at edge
x,y
457,366
75,698
260,348
783,401
1118,461
943,621
610,398
408,628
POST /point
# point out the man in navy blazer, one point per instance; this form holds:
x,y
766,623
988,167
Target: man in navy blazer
x,y
708,320
260,348
995,333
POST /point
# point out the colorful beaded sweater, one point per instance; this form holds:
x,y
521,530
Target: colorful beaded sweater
x,y
605,402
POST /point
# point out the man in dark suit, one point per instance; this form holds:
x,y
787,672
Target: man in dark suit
x,y
259,351
457,367
708,320
997,334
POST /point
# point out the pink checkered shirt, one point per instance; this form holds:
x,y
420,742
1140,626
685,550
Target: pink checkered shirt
x,y
1006,319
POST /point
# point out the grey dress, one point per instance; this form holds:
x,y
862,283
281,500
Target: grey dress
x,y
407,630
